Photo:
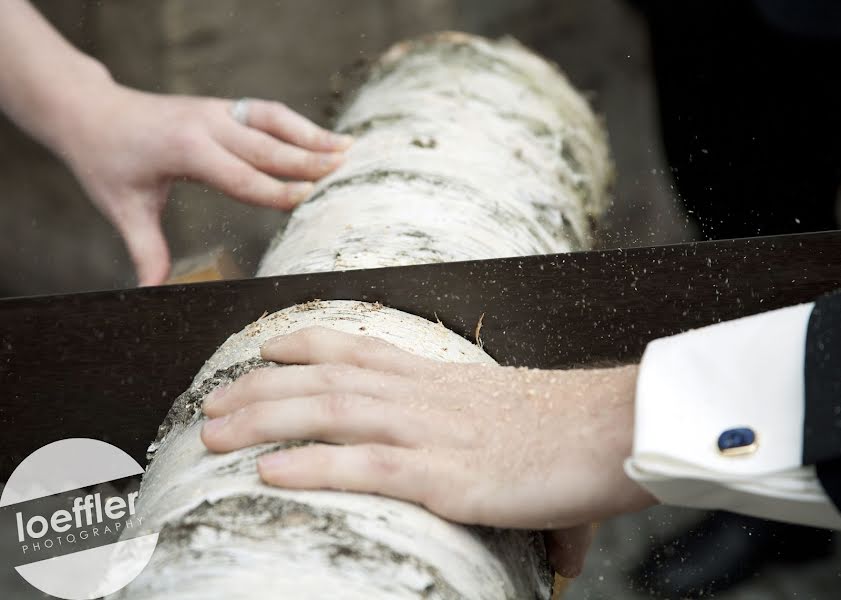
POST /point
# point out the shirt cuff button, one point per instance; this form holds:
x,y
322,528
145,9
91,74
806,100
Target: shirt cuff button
x,y
737,441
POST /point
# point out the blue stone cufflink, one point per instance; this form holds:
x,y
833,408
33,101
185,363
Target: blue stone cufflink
x,y
738,441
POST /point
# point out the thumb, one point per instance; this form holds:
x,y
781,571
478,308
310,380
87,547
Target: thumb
x,y
148,249
566,548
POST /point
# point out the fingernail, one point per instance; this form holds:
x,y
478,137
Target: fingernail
x,y
331,161
569,572
343,141
213,426
299,192
214,396
276,460
270,343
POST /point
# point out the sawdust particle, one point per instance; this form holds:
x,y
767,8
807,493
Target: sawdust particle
x,y
478,333
313,304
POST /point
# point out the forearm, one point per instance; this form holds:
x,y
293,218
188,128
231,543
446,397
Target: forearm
x,y
44,79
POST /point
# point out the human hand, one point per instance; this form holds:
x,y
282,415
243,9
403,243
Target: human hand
x,y
473,443
127,147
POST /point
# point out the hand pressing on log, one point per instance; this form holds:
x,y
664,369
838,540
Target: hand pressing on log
x,y
127,147
477,444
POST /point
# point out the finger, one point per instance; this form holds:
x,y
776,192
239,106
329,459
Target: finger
x,y
277,383
392,471
230,174
282,122
314,345
567,549
147,247
271,156
335,418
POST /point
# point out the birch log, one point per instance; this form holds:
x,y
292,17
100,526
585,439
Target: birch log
x,y
466,149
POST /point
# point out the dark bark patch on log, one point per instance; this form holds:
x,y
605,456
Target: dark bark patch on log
x,y
187,406
357,129
225,515
425,142
344,543
382,176
537,562
548,215
417,233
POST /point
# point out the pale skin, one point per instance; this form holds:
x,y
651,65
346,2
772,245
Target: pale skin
x,y
127,147
476,444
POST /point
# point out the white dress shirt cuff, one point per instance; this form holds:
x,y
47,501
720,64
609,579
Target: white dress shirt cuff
x,y
692,387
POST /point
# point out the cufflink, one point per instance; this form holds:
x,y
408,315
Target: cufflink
x,y
738,441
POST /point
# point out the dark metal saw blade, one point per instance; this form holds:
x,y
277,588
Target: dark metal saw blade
x,y
108,365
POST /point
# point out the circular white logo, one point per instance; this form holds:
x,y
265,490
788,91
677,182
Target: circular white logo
x,y
72,509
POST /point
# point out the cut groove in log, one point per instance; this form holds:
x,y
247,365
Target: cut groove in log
x,y
465,149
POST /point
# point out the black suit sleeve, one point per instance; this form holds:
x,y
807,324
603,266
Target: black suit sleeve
x,y
822,378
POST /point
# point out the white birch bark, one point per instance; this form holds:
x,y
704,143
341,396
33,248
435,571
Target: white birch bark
x,y
465,149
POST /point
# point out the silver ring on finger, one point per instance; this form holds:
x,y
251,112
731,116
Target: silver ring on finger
x,y
239,110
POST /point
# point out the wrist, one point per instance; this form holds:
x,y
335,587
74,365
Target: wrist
x,y
624,494
60,109
634,497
